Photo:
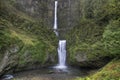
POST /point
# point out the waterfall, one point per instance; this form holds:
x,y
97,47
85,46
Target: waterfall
x,y
61,45
62,54
55,18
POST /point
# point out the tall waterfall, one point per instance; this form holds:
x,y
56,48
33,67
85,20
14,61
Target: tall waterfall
x,y
62,44
55,18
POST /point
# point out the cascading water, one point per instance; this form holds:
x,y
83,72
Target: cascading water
x,y
62,44
55,19
62,54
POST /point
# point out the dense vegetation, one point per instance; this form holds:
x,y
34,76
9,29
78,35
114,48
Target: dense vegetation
x,y
98,36
98,30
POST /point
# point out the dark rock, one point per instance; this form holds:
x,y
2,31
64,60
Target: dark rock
x,y
81,59
94,63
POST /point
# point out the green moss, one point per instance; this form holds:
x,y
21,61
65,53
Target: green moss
x,y
32,49
111,38
97,33
34,39
26,39
85,38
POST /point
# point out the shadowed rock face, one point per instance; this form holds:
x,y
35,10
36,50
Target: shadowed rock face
x,y
68,12
39,9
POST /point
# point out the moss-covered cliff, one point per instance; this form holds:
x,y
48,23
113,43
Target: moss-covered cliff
x,y
25,43
96,36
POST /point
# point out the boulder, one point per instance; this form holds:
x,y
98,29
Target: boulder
x,y
9,60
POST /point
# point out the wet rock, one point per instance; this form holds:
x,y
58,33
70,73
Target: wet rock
x,y
7,77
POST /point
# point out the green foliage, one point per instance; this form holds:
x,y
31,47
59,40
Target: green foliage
x,y
35,53
5,39
100,11
34,39
32,49
113,9
94,9
84,38
97,33
111,38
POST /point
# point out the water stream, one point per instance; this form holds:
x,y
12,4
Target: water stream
x,y
62,43
55,19
61,55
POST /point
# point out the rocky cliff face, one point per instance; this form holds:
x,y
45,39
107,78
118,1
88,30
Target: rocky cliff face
x,y
68,11
40,9
24,39
43,10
